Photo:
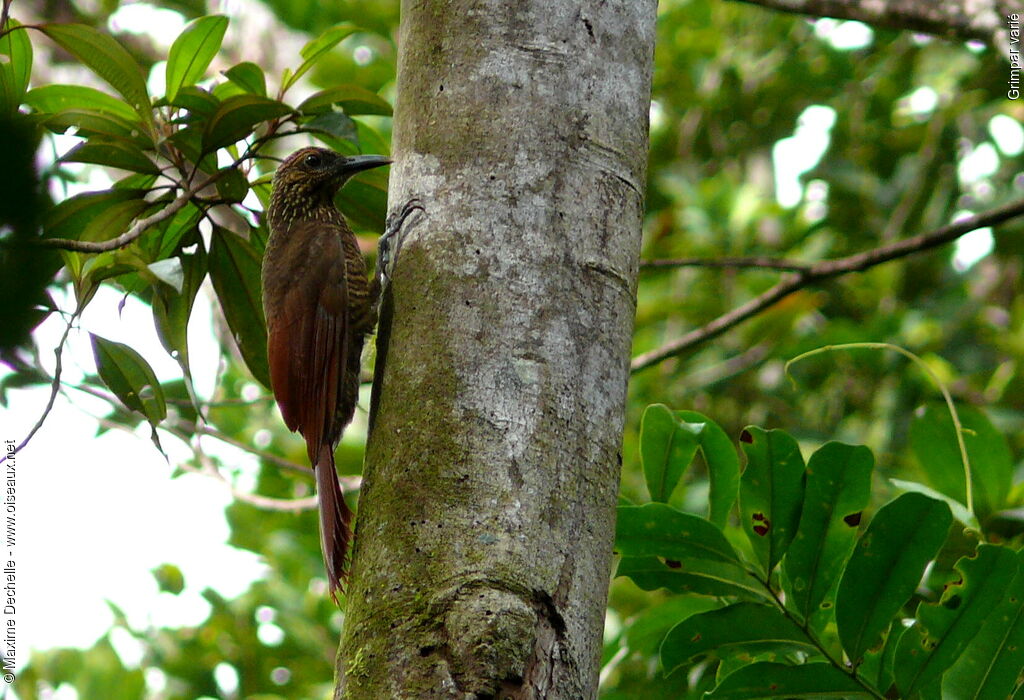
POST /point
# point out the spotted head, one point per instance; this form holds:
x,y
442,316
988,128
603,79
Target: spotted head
x,y
308,180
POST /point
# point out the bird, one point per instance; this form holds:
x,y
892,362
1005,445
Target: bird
x,y
319,308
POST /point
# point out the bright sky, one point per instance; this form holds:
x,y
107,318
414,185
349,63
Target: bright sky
x,y
96,514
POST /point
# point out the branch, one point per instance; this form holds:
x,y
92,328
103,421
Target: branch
x,y
826,270
951,19
135,231
759,261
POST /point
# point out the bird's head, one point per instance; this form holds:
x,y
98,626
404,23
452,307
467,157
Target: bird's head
x,y
310,177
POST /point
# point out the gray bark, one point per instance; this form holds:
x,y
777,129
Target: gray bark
x,y
484,537
981,20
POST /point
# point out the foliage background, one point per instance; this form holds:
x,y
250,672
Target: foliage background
x,y
911,145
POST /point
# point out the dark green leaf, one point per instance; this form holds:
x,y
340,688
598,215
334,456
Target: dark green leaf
x,y
772,680
337,125
107,58
127,374
72,217
351,98
193,50
646,632
172,309
235,273
838,488
197,101
933,439
886,566
945,629
771,492
364,199
16,70
190,142
236,117
116,154
233,185
59,98
723,466
316,49
958,509
990,666
96,125
658,530
688,575
667,446
750,627
249,77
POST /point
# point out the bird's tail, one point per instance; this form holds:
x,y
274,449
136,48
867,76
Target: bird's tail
x,y
335,521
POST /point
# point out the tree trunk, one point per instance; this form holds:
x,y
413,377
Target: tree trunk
x,y
486,520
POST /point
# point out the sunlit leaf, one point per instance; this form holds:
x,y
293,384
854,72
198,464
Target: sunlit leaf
x,y
193,50
318,48
249,77
59,98
771,492
886,566
107,58
16,69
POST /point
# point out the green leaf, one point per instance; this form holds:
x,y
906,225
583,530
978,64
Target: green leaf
x,y
335,124
723,466
115,154
172,309
364,199
96,125
318,48
773,680
16,70
59,98
169,579
750,627
838,488
958,509
107,58
249,77
691,576
886,566
199,102
991,664
658,530
86,215
945,629
667,446
647,630
351,98
193,50
771,492
235,273
233,185
127,374
236,117
933,439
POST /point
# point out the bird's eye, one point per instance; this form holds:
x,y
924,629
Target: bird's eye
x,y
313,160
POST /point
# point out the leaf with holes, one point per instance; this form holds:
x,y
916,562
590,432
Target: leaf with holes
x,y
771,492
945,629
886,566
838,488
658,530
192,52
689,575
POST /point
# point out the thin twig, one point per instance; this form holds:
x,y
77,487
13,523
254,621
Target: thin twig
x,y
759,261
824,270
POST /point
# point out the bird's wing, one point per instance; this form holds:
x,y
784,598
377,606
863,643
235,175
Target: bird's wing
x,y
308,342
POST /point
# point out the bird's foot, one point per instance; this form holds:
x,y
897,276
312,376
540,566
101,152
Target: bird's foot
x,y
391,240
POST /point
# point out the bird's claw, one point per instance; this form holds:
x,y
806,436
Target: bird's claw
x,y
391,241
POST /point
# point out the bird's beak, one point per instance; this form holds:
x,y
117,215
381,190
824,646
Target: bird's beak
x,y
354,164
